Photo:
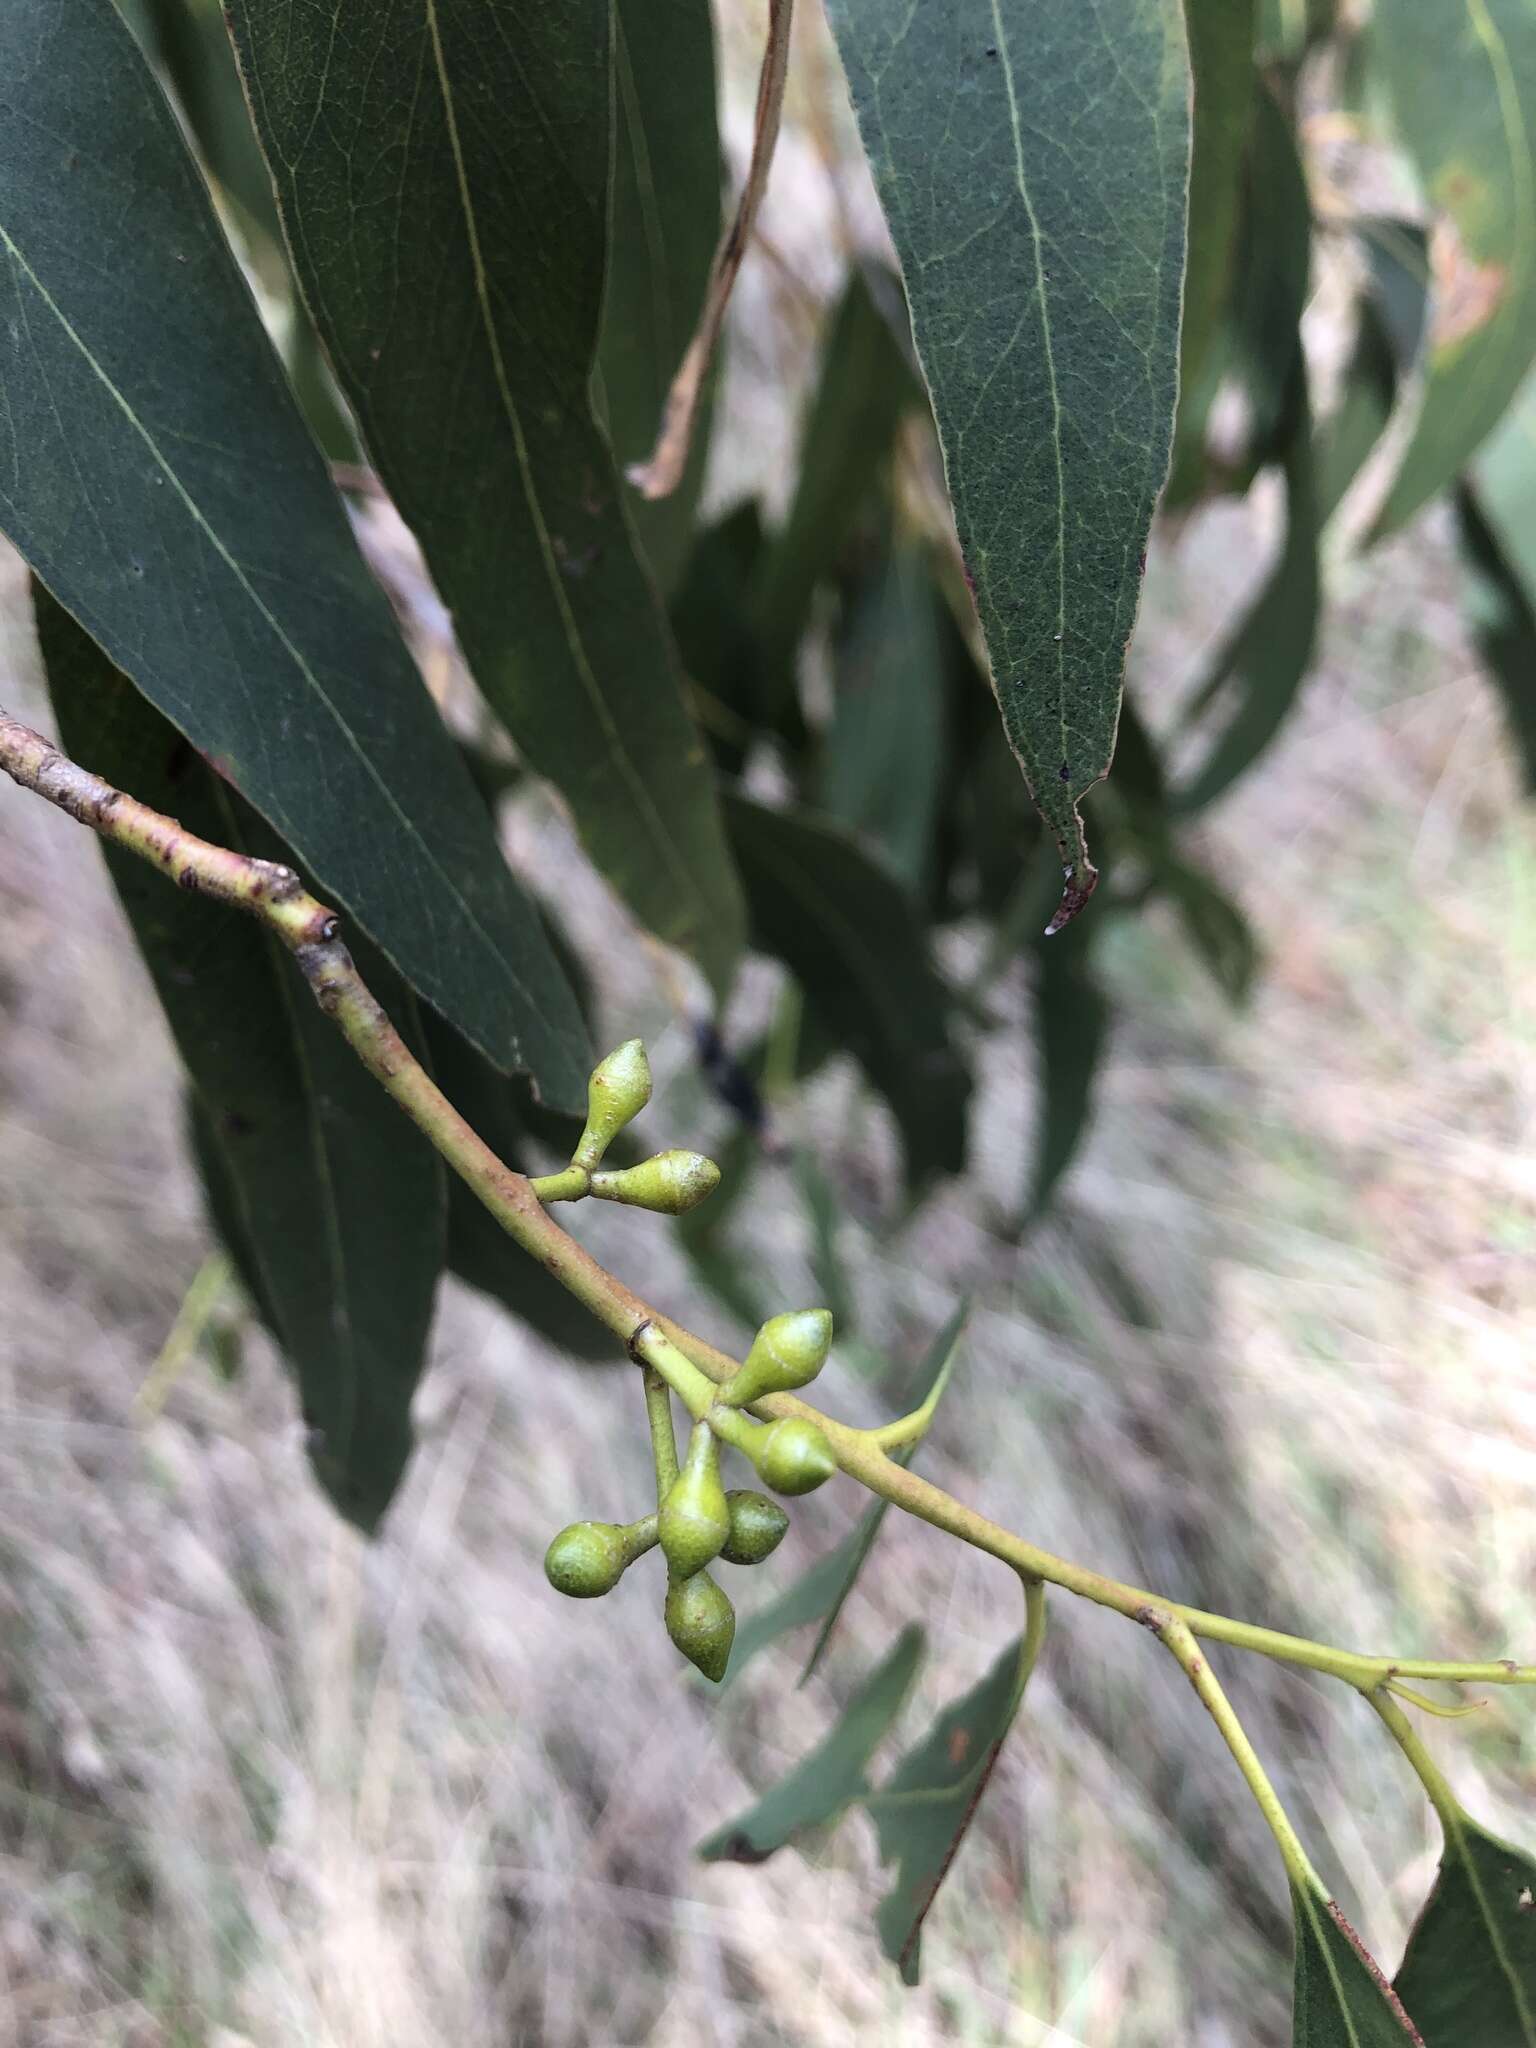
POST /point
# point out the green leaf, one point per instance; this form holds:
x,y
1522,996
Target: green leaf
x,y
711,618
1221,59
1503,622
884,763
1341,1999
442,175
1032,157
851,935
821,1593
331,1203
155,473
1260,670
1469,1974
832,1777
480,1252
665,224
1462,81
1071,1033
187,39
923,1809
1389,326
866,384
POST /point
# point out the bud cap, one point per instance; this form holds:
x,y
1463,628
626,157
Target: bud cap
x,y
619,1088
671,1183
793,1455
695,1518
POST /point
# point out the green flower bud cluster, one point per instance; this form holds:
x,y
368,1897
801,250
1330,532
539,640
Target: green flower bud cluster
x,y
670,1183
696,1520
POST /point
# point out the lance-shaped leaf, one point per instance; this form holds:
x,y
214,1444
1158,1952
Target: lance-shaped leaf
x,y
1341,1999
665,224
1389,327
853,938
442,175
1071,1032
822,1785
1469,1974
1032,157
154,471
884,762
332,1203
866,383
821,1593
1503,623
923,1809
1504,480
1462,82
1256,677
1221,61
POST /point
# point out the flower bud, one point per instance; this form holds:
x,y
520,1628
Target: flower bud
x,y
695,1518
702,1623
671,1183
619,1089
787,1352
792,1455
757,1526
587,1559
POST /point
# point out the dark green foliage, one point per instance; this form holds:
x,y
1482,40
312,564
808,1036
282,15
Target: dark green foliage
x,y
429,163
855,940
1044,284
832,1777
1341,1999
333,1208
924,1807
1470,1970
154,471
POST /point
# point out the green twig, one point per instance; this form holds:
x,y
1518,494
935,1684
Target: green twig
x,y
690,1365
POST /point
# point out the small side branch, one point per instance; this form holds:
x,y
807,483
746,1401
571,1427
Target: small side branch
x,y
661,475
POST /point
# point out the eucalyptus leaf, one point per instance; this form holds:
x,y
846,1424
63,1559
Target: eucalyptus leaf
x,y
155,473
1221,60
442,175
1388,329
1462,83
1032,157
865,385
1071,1033
922,1811
665,224
332,1204
1469,1974
1257,675
1341,1999
825,1783
884,760
855,940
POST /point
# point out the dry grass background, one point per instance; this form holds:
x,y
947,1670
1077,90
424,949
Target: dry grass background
x,y
261,1784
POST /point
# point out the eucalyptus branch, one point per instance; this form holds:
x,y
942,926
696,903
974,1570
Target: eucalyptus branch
x,y
694,1369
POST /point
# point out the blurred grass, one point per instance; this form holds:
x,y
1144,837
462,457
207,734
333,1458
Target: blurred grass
x,y
1271,1354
